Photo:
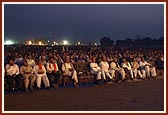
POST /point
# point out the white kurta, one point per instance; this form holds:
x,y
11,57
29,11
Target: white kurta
x,y
105,69
128,66
50,67
116,67
27,73
95,69
12,70
66,71
41,76
146,69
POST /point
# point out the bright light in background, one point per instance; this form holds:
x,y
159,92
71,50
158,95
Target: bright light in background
x,y
9,42
55,43
65,42
30,42
40,43
95,44
78,43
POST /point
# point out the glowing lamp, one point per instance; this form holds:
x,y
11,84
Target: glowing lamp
x,y
9,42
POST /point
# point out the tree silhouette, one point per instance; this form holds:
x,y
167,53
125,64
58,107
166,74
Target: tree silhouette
x,y
106,41
145,42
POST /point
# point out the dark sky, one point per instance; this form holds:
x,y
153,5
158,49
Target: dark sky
x,y
84,22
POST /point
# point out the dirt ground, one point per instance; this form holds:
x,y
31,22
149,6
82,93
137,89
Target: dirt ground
x,y
145,95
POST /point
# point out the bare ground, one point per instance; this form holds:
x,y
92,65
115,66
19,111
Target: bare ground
x,y
145,95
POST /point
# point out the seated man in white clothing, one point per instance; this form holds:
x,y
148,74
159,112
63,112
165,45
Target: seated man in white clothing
x,y
27,73
115,67
95,69
40,74
69,70
12,73
53,70
147,69
126,65
105,68
135,68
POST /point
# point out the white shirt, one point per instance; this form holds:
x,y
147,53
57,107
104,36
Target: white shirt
x,y
26,69
31,62
94,67
113,65
126,65
50,67
11,70
104,66
135,65
143,64
36,69
66,66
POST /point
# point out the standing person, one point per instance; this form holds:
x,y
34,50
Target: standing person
x,y
69,70
115,67
40,73
27,72
53,70
95,69
148,70
105,68
12,73
126,65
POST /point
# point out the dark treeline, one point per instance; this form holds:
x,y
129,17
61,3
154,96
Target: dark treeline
x,y
145,42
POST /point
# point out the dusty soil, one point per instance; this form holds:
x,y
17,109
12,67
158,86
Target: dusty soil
x,y
145,95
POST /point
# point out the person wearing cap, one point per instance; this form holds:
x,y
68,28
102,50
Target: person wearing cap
x,y
69,70
40,74
12,73
53,70
27,73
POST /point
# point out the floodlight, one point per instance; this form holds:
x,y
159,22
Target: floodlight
x,y
9,42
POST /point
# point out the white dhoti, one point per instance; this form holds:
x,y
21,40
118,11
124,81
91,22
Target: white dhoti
x,y
43,77
72,73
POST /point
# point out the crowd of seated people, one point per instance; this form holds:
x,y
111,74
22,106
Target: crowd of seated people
x,y
36,64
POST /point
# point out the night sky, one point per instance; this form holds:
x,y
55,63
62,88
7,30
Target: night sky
x,y
83,23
